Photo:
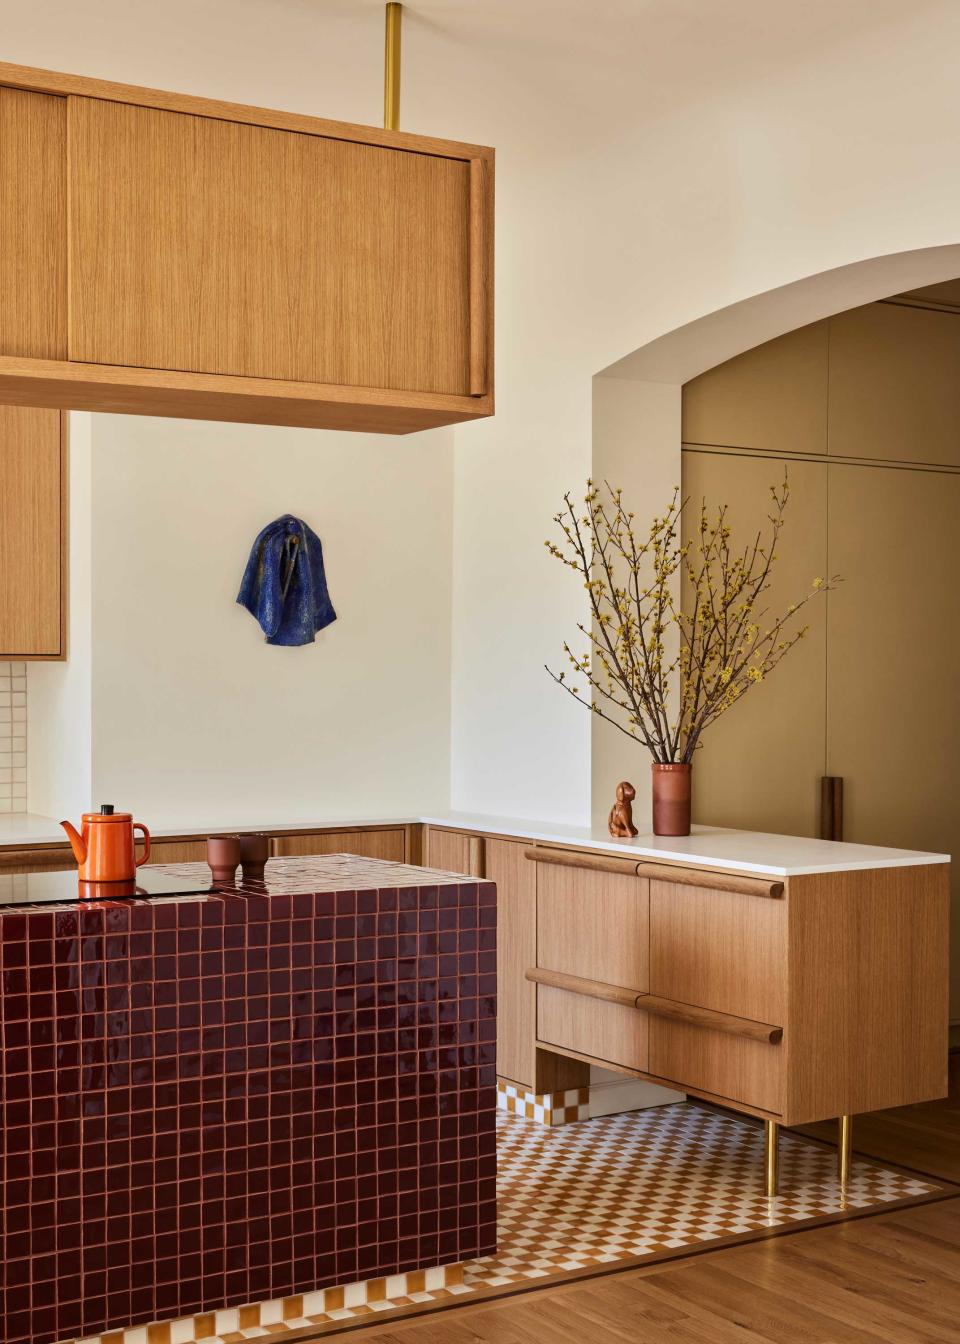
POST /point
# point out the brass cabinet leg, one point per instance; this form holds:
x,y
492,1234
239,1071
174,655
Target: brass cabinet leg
x,y
844,1147
771,1155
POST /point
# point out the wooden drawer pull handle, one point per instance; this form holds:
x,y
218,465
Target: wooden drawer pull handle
x,y
694,877
764,1032
660,872
596,863
593,989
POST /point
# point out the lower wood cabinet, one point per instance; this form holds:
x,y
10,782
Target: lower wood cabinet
x,y
37,859
389,843
594,925
380,843
606,1032
177,851
723,950
801,1000
516,879
453,851
729,1068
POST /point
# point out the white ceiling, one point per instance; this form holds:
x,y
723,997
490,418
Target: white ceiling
x,y
608,60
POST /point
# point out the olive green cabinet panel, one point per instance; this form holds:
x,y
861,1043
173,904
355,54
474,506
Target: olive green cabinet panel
x,y
760,764
772,397
895,384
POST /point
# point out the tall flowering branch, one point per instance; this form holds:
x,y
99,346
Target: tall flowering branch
x,y
715,647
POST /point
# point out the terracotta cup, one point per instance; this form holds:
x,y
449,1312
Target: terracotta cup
x,y
671,799
223,856
254,852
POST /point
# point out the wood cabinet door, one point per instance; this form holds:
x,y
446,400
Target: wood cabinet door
x,y
725,951
33,225
729,1067
607,1032
454,851
719,949
385,844
760,765
177,851
516,879
594,925
31,577
894,662
228,248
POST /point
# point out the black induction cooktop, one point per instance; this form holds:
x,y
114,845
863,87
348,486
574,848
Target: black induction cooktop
x,y
65,888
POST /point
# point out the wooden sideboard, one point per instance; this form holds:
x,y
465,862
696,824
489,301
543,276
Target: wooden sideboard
x,y
795,1000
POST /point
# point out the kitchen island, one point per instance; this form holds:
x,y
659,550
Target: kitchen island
x,y
243,1094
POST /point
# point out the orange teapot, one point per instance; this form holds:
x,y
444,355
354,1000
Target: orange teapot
x,y
104,847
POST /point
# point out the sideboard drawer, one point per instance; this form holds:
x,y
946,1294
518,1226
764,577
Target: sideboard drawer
x,y
750,1072
601,1030
724,950
593,924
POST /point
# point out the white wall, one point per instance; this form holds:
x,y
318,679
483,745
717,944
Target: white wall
x,y
194,715
636,447
59,719
656,161
793,140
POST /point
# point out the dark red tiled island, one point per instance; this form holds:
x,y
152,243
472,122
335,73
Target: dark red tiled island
x,y
237,1096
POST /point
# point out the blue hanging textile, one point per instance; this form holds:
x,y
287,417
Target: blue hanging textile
x,y
284,586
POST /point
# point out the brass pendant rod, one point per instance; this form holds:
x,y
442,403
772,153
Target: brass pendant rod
x,y
391,68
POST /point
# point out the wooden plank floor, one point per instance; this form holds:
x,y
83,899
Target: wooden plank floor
x,y
891,1278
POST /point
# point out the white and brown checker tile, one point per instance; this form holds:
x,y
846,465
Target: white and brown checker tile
x,y
589,1197
548,1108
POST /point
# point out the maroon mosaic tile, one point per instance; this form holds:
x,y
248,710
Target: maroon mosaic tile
x,y
213,1100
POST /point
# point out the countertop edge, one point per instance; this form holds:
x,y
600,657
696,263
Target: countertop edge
x,y
37,836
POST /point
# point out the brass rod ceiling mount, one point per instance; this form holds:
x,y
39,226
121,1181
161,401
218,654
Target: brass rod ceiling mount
x,y
391,68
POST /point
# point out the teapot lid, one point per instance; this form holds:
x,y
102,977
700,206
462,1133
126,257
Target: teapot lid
x,y
107,813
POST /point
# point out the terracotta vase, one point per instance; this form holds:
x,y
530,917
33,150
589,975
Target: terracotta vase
x,y
671,799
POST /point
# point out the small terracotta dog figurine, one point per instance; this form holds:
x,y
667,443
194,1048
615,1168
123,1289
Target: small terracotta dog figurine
x,y
620,822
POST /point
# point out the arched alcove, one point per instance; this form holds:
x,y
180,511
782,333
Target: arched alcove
x,y
636,415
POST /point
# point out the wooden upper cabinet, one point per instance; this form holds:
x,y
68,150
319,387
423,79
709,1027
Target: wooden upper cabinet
x,y
33,240
217,247
32,595
232,263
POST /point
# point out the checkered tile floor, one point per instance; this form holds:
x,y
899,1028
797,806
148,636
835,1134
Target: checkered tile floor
x,y
603,1192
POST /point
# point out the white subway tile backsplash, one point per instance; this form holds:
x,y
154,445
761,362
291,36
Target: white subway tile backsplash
x,y
13,737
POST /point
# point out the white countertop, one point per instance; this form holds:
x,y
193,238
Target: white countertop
x,y
749,851
713,846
